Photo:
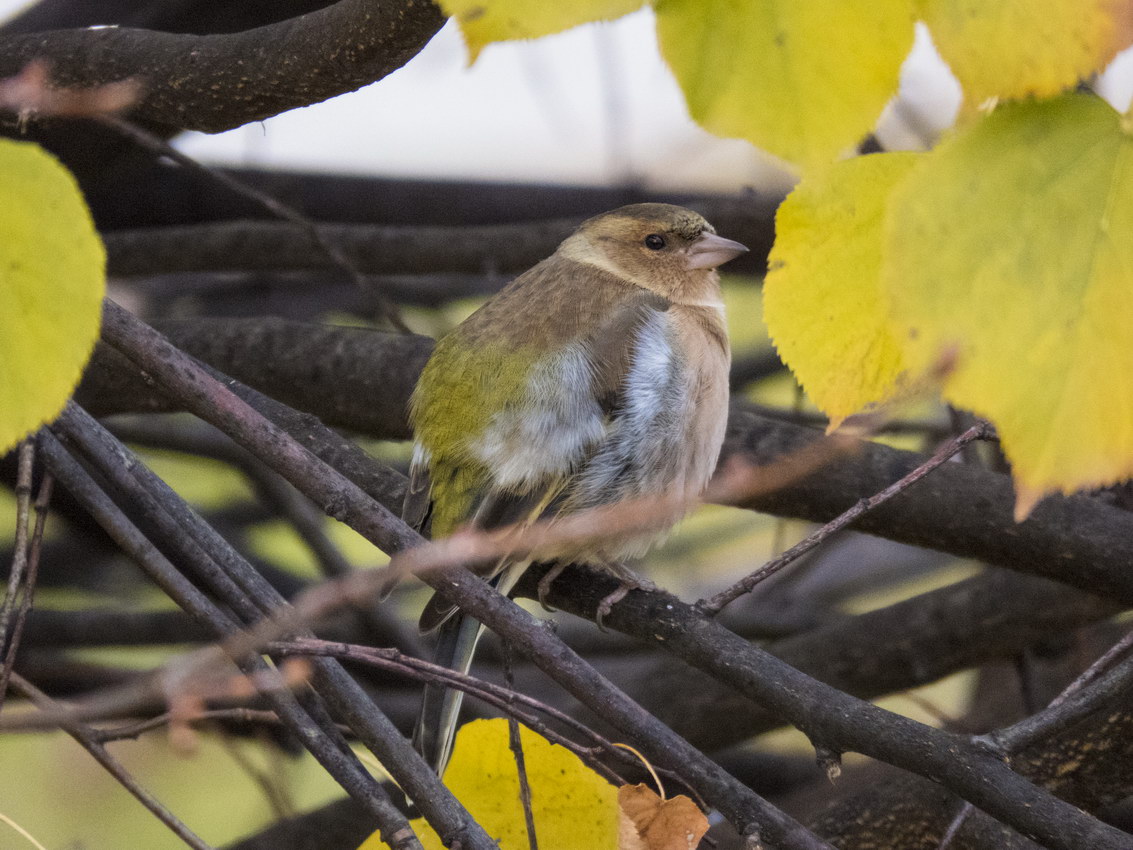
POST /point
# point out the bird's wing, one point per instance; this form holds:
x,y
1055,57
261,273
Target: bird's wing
x,y
418,503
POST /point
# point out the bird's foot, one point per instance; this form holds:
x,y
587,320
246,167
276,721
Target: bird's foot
x,y
628,582
545,585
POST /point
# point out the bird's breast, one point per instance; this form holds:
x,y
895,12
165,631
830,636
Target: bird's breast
x,y
665,435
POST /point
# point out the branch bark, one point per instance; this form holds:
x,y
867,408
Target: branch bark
x,y
895,648
190,80
261,245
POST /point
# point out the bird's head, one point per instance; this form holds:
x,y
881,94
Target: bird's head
x,y
663,248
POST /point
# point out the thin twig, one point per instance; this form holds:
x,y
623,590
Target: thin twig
x,y
25,457
965,812
1105,662
713,605
515,744
31,578
90,743
278,799
276,493
1090,692
273,205
328,749
23,833
501,698
130,731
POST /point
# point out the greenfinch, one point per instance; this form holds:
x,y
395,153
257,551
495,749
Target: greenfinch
x,y
599,375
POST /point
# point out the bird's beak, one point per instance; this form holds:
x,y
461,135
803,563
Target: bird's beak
x,y
710,251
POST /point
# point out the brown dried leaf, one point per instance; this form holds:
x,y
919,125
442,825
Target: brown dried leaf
x,y
649,823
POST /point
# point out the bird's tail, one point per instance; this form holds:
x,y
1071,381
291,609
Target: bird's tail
x,y
457,638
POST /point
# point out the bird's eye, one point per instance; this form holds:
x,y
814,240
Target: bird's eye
x,y
654,242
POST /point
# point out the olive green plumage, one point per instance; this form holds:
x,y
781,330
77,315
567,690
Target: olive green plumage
x,y
598,375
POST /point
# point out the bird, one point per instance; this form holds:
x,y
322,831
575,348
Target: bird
x,y
597,376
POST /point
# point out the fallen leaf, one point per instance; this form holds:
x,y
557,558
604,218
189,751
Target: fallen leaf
x,y
648,822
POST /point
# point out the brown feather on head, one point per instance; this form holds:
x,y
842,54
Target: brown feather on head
x,y
669,250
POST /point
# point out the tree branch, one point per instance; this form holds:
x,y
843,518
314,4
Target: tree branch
x,y
901,646
361,380
190,79
331,753
88,739
835,720
214,402
262,245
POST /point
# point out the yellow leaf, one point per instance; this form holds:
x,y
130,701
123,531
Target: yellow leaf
x,y
1021,48
52,279
822,300
805,81
1008,250
572,806
485,21
650,823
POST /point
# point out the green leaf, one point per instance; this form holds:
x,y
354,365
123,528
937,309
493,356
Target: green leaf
x,y
52,280
822,300
485,21
1008,253
1022,48
805,81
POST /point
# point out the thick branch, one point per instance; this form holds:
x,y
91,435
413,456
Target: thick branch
x,y
905,811
895,648
361,380
198,16
835,720
305,366
191,80
258,245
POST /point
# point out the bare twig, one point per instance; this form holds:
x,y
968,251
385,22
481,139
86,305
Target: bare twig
x,y
134,730
331,753
503,699
19,830
966,811
715,604
1092,673
828,715
215,403
273,205
269,782
89,741
35,548
25,457
515,744
1090,692
200,439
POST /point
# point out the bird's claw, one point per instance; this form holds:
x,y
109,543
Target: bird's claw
x,y
611,599
545,585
